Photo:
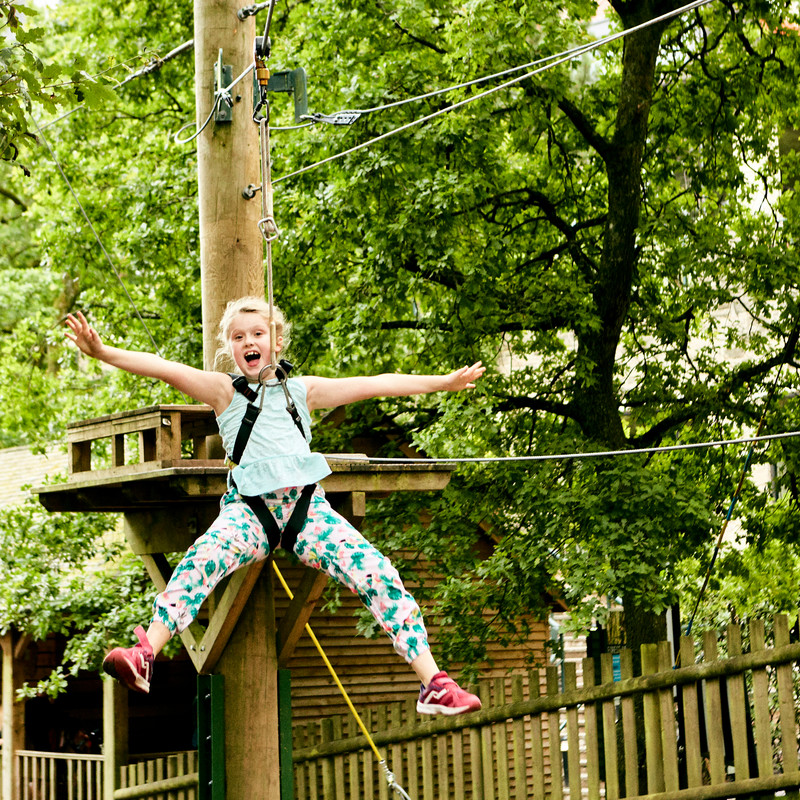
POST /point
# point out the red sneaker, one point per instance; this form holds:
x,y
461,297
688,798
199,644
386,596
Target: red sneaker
x,y
444,696
132,666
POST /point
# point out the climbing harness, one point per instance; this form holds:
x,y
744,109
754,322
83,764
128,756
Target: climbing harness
x,y
257,505
390,778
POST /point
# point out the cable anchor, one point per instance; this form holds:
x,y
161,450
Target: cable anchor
x,y
252,10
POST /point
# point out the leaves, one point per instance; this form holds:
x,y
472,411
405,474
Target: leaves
x,y
628,270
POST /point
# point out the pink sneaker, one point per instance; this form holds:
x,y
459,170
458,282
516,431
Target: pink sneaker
x,y
132,666
444,696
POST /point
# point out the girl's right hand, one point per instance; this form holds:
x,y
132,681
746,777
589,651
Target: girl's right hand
x,y
83,335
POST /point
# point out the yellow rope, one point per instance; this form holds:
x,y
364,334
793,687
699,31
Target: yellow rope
x,y
331,670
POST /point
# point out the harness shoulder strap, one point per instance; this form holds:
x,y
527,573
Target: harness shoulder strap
x,y
240,385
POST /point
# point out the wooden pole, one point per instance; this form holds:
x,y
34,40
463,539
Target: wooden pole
x,y
115,734
13,727
231,246
231,255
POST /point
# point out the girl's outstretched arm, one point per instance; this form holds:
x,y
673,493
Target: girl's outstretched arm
x,y
332,392
212,388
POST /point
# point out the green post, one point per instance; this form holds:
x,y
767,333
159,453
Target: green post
x,y
285,733
211,737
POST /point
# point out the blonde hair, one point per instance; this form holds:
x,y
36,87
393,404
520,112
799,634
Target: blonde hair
x,y
223,359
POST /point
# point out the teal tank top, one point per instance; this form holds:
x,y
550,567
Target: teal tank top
x,y
277,455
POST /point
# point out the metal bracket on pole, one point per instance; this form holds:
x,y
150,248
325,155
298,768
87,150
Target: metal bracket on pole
x,y
291,81
223,77
211,737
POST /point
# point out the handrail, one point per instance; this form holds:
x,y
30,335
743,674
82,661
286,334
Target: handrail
x,y
59,756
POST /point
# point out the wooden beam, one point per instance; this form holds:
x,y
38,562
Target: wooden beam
x,y
226,614
299,612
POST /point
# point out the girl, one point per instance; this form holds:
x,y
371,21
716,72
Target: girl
x,y
276,474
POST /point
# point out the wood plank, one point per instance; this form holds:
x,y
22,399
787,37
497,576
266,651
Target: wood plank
x,y
396,750
501,743
353,765
590,712
412,785
669,732
80,457
518,743
478,767
714,734
610,753
786,707
691,719
442,767
654,754
738,714
554,737
326,765
573,735
459,784
487,752
537,741
762,729
630,742
226,615
428,785
381,724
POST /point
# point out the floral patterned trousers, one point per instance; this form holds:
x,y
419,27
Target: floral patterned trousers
x,y
327,542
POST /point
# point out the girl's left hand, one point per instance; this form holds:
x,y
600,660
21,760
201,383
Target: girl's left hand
x,y
464,378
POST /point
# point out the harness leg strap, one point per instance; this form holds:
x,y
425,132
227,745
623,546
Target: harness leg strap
x,y
293,526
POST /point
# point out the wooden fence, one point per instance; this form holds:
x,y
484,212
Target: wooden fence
x,y
717,727
171,777
720,724
59,776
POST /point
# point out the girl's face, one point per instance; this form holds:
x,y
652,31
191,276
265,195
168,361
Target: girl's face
x,y
249,343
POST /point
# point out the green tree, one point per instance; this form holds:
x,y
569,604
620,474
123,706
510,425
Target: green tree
x,y
610,229
606,232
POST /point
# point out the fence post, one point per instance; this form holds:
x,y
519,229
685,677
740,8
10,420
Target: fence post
x,y
115,735
788,720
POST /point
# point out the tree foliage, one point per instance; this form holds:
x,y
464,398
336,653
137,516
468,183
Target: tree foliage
x,y
606,234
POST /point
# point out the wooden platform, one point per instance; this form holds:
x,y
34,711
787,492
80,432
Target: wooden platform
x,y
157,459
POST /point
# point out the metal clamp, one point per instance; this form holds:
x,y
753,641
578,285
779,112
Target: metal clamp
x,y
269,229
339,118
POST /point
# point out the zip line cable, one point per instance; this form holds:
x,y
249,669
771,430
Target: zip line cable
x,y
561,60
97,237
565,456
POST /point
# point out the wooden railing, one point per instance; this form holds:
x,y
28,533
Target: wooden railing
x,y
172,777
59,776
708,728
